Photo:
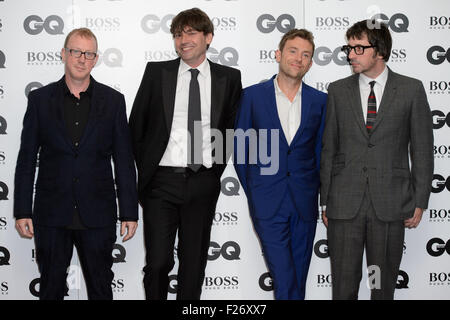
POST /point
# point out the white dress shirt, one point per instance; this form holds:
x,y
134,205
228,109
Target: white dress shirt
x,y
378,89
290,113
176,153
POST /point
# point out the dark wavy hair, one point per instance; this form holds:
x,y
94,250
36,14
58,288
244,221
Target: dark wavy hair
x,y
377,34
194,18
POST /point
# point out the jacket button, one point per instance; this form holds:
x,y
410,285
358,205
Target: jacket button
x,y
371,145
288,174
289,152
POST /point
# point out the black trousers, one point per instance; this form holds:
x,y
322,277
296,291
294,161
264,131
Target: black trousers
x,y
54,248
183,202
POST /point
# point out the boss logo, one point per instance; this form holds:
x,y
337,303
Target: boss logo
x,y
437,55
52,25
267,23
324,55
267,56
439,22
226,218
398,55
224,23
323,280
397,23
439,278
228,282
324,23
38,58
4,287
118,285
322,86
439,87
439,214
152,23
103,23
159,55
228,56
437,247
229,251
441,152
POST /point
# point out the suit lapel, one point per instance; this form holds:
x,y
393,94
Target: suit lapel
x,y
306,108
271,106
388,94
355,103
218,83
169,77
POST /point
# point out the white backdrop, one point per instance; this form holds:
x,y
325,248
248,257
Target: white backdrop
x,y
247,33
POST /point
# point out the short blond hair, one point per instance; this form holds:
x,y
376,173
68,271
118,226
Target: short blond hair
x,y
82,32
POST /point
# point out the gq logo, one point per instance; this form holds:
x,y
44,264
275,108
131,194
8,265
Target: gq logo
x,y
32,86
324,55
34,288
230,251
437,55
266,282
173,284
52,25
266,23
4,256
321,248
439,183
230,186
2,60
118,253
111,57
402,280
152,23
3,125
440,119
397,23
437,247
227,56
3,191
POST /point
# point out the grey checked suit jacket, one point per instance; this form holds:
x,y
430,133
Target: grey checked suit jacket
x,y
351,157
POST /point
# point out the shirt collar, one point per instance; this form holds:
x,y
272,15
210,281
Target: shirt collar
x,y
203,68
88,91
381,79
278,90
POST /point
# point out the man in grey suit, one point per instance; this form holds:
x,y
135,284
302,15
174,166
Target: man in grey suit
x,y
375,119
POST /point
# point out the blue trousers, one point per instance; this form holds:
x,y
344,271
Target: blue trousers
x,y
287,242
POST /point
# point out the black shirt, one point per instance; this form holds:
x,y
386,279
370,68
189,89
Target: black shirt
x,y
76,115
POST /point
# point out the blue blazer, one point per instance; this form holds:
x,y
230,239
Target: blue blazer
x,y
299,162
70,176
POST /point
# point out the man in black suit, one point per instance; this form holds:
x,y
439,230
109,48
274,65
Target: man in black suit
x,y
76,125
179,106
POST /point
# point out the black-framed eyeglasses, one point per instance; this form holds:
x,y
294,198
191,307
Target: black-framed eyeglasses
x,y
77,53
358,49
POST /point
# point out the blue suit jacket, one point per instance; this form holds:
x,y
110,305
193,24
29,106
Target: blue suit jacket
x,y
299,162
71,176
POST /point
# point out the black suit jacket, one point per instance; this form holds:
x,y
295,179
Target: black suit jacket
x,y
152,113
72,175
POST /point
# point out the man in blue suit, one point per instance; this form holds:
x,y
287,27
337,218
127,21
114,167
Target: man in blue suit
x,y
285,116
77,126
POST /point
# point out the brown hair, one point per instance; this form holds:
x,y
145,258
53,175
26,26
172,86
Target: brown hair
x,y
301,33
377,34
194,18
82,32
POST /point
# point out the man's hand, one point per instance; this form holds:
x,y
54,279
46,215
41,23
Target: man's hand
x,y
131,227
415,220
324,218
25,227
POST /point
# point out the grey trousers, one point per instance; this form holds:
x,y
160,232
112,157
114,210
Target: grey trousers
x,y
383,242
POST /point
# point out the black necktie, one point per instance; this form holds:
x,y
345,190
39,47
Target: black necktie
x,y
371,108
194,115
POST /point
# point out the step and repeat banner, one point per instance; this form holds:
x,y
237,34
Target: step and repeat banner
x,y
247,32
